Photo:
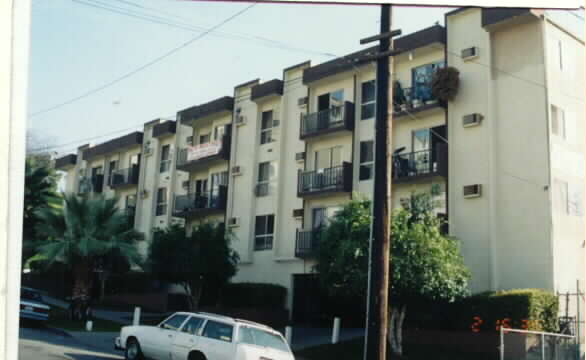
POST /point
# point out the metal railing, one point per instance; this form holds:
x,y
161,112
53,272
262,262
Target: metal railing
x,y
124,177
307,242
535,345
336,117
331,179
193,202
220,148
89,184
413,164
414,97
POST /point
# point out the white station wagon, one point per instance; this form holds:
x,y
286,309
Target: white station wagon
x,y
203,336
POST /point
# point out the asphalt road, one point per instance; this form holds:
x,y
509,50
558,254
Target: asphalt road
x,y
37,342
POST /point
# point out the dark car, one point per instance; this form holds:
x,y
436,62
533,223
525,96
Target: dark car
x,y
32,305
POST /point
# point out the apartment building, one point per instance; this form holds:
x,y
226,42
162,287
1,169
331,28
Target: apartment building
x,y
275,160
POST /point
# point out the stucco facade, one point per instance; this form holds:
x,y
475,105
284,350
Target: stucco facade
x,y
283,155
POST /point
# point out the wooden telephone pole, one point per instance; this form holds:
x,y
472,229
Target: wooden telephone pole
x,y
378,289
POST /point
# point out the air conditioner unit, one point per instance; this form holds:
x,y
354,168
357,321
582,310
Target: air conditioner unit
x,y
236,170
240,120
471,120
469,53
147,150
298,213
234,221
303,101
472,191
276,123
144,194
185,185
189,140
300,156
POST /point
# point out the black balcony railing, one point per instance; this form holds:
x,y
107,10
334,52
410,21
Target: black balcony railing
x,y
124,177
420,163
333,119
334,179
202,153
89,184
201,203
307,243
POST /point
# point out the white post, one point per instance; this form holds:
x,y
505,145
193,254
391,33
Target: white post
x,y
502,341
89,325
288,334
336,331
136,317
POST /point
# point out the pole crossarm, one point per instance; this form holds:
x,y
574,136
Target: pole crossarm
x,y
385,35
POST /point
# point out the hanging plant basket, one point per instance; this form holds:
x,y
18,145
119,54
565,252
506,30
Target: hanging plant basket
x,y
445,84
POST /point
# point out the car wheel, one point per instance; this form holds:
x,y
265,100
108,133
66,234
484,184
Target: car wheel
x,y
196,355
133,351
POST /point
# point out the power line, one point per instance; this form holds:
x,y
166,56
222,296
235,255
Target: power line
x,y
147,65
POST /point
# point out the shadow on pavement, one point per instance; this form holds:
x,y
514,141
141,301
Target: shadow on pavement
x,y
75,356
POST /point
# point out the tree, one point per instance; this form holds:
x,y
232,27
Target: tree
x,y
425,265
81,233
196,262
40,190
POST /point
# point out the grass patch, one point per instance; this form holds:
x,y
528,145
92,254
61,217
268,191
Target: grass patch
x,y
354,349
58,319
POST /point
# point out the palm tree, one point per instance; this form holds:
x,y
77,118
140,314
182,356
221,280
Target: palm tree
x,y
81,233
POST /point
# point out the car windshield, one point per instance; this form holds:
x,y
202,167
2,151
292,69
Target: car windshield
x,y
263,338
30,295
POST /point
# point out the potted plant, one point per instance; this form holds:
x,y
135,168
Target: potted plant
x,y
445,84
399,100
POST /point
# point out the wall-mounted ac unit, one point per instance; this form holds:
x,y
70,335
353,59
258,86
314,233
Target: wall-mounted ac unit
x,y
298,213
185,185
234,221
240,120
469,53
189,140
148,150
472,191
303,101
300,156
471,120
276,123
144,194
236,170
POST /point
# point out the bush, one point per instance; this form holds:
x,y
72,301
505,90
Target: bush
x,y
530,309
445,83
242,295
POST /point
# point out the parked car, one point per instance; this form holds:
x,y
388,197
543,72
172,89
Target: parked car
x,y
203,336
32,305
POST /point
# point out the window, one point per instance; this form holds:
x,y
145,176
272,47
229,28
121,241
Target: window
x,y
173,323
321,216
266,171
558,122
218,331
366,160
165,158
262,338
161,202
263,232
130,201
266,127
560,196
328,158
201,186
134,160
367,109
113,166
219,132
421,79
204,139
192,325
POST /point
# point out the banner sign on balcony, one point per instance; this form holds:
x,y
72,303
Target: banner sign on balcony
x,y
203,150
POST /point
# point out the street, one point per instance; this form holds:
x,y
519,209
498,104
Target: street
x,y
38,342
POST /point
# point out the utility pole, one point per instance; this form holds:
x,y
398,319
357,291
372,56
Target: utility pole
x,y
378,289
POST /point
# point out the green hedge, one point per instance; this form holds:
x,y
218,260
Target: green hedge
x,y
530,309
241,295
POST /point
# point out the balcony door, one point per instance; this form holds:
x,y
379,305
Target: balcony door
x,y
322,216
329,107
328,158
421,80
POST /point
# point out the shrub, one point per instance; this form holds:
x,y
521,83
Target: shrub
x,y
241,295
445,83
530,309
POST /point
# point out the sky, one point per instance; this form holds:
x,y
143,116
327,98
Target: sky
x,y
78,46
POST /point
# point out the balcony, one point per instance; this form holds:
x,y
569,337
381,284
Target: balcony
x,y
201,204
307,243
337,118
124,177
91,184
414,100
194,157
331,180
418,165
